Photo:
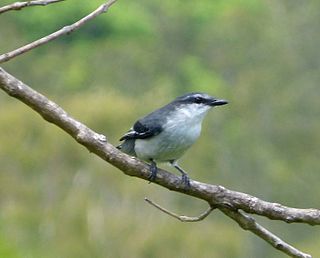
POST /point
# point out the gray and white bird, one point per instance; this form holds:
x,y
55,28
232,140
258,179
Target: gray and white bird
x,y
165,134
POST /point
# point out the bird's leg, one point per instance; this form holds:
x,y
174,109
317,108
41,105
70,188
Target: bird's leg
x,y
185,178
153,170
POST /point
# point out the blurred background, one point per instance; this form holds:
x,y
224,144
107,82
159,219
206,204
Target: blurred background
x,y
58,200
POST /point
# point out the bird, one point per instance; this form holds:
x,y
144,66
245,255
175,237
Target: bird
x,y
168,132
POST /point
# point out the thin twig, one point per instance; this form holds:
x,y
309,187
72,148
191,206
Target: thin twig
x,y
182,218
245,221
248,223
19,5
65,30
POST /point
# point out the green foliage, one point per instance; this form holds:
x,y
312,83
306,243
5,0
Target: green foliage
x,y
56,200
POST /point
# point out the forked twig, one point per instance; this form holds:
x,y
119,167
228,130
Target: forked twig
x,y
19,5
65,30
245,221
182,218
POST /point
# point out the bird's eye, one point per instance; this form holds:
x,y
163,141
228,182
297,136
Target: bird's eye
x,y
198,100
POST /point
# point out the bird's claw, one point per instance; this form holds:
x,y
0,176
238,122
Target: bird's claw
x,y
153,172
185,180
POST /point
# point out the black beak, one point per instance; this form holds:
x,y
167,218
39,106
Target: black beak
x,y
218,102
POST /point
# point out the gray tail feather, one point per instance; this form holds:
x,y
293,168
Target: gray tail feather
x,y
127,147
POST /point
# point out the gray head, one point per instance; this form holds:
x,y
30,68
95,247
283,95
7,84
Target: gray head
x,y
196,104
198,98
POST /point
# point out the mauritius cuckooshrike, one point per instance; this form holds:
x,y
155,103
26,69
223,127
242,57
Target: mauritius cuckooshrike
x,y
165,134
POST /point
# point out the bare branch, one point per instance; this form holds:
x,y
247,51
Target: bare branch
x,y
215,195
19,5
245,221
182,218
65,30
248,223
254,205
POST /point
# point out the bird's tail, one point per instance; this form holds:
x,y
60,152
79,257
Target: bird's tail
x,y
127,146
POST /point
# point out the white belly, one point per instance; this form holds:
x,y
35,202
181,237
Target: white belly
x,y
170,144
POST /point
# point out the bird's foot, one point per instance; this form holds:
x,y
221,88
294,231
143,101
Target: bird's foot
x,y
153,172
185,180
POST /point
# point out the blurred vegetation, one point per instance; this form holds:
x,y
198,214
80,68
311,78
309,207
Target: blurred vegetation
x,y
57,200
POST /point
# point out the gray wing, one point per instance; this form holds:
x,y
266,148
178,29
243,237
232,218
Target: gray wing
x,y
140,130
143,129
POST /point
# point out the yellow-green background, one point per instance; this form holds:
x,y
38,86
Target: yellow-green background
x,y
58,200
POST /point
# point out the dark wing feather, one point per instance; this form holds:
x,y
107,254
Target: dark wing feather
x,y
150,125
142,130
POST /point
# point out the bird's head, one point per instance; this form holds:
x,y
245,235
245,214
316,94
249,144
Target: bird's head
x,y
199,99
197,103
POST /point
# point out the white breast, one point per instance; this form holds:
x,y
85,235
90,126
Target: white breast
x,y
181,130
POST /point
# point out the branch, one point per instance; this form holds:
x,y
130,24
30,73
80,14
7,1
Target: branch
x,y
19,5
65,30
182,218
248,223
215,195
